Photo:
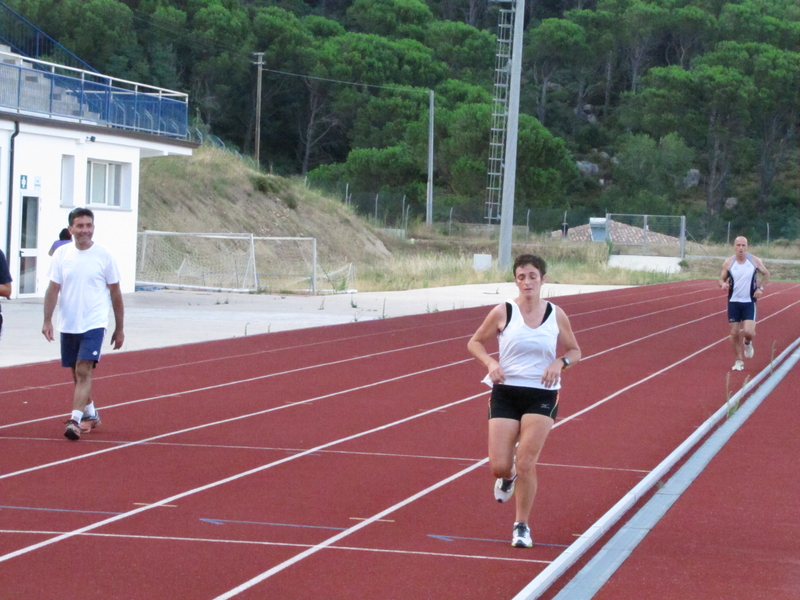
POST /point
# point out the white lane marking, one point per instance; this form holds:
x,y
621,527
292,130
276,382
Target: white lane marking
x,y
309,367
277,568
240,417
220,482
284,544
250,380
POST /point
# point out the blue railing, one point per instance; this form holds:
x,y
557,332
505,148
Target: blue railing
x,y
24,37
29,86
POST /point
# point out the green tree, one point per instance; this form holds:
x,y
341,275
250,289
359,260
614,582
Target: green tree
x,y
773,111
551,46
708,106
468,52
101,32
391,18
652,168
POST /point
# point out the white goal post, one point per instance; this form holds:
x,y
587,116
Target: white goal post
x,y
232,262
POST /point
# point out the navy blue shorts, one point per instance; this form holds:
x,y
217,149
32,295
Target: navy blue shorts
x,y
741,311
81,346
511,402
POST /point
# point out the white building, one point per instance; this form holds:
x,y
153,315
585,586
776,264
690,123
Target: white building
x,y
71,138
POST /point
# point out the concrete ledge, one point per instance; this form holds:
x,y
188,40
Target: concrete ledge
x,y
661,264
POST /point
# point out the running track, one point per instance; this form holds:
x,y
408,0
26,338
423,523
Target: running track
x,y
349,461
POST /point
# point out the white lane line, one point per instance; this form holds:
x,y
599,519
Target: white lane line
x,y
292,371
609,558
332,540
238,476
250,380
461,459
217,360
247,416
571,555
287,563
280,544
268,351
309,367
335,538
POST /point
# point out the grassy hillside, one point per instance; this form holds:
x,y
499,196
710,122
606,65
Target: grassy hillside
x,y
215,192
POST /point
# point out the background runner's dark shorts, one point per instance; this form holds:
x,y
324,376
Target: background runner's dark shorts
x,y
741,311
511,402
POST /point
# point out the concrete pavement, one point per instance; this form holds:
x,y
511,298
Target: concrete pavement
x,y
164,317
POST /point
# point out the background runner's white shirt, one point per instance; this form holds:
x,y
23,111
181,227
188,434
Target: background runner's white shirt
x,y
742,276
524,352
84,276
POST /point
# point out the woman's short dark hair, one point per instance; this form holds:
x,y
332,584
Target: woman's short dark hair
x,y
80,212
64,234
530,259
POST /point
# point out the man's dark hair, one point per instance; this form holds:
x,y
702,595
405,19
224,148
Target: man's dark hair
x,y
80,212
530,259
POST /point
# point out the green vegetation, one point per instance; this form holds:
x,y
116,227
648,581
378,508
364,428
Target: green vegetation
x,y
644,90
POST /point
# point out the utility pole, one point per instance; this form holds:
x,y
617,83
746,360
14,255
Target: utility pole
x,y
429,195
510,174
259,64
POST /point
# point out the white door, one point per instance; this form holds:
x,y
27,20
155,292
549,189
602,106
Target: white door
x,y
29,245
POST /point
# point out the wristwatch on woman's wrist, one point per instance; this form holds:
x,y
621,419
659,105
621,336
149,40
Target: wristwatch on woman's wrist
x,y
565,360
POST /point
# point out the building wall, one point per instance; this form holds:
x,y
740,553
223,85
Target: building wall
x,y
61,185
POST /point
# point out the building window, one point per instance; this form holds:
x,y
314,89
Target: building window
x,y
105,184
67,180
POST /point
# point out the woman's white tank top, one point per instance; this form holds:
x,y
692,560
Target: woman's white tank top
x,y
525,352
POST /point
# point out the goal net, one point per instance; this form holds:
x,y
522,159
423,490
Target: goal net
x,y
650,235
232,262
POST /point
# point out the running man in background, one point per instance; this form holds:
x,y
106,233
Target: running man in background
x,y
86,275
525,382
739,277
5,284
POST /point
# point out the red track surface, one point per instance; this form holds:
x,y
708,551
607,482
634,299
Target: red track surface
x,y
735,533
347,461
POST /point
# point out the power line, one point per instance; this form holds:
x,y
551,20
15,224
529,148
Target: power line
x,y
385,87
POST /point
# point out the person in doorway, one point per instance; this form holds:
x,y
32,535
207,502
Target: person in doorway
x,y
63,238
5,284
86,276
525,381
740,277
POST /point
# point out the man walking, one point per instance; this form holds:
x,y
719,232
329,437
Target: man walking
x,y
86,275
739,276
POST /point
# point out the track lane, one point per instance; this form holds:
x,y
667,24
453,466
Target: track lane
x,y
482,435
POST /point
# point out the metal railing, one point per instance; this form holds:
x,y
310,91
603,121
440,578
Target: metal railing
x,y
26,38
30,86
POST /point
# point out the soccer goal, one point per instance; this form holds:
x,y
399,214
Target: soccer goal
x,y
649,235
233,262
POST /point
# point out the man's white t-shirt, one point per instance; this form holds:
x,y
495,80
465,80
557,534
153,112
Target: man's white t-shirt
x,y
84,277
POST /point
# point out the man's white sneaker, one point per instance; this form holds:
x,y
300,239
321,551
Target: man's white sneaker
x,y
521,536
504,488
738,366
749,350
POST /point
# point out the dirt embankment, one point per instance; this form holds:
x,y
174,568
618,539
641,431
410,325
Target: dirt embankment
x,y
215,192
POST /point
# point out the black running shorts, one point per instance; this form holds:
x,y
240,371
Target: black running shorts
x,y
511,402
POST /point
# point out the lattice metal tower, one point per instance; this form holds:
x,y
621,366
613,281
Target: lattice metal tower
x,y
497,138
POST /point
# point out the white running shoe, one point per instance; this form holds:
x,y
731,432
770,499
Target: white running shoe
x,y
738,366
749,350
504,488
521,536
